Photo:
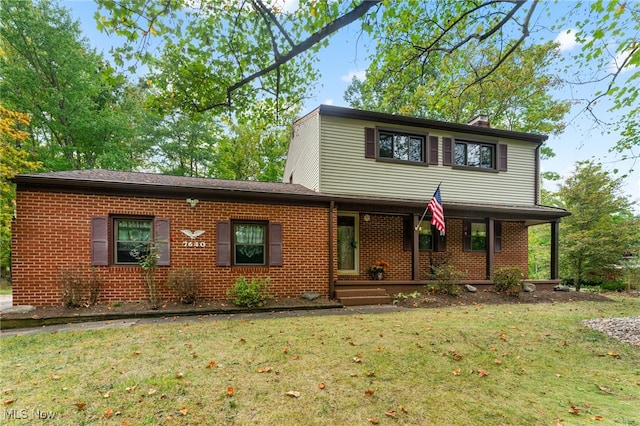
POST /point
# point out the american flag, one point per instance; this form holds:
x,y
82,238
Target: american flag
x,y
435,205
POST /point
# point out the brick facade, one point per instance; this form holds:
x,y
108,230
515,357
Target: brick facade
x,y
52,233
382,238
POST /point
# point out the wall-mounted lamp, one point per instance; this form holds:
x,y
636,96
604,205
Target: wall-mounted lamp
x,y
193,202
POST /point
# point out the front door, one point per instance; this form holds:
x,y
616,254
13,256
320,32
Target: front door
x,y
348,243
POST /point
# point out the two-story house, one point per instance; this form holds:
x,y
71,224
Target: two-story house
x,y
386,168
355,187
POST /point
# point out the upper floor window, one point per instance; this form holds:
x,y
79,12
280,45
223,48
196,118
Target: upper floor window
x,y
475,154
401,146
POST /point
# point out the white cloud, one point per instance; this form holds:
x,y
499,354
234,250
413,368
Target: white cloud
x,y
567,40
328,102
619,59
360,75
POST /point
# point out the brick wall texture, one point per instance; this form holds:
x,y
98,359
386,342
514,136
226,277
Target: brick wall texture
x,y
52,234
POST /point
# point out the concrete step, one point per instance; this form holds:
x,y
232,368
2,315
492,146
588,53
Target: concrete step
x,y
360,292
364,300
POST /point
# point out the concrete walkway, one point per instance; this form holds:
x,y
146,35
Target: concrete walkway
x,y
130,322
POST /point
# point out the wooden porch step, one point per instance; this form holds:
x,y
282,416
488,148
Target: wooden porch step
x,y
365,300
351,292
363,296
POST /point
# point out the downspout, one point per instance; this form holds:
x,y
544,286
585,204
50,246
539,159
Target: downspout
x,y
536,186
331,232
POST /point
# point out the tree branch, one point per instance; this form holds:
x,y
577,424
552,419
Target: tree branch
x,y
344,20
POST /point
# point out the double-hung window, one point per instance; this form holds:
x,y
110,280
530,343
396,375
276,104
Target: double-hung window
x,y
475,154
249,243
129,235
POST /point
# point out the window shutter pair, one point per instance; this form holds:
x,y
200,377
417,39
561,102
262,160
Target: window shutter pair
x,y
447,159
100,241
370,145
440,242
223,245
497,236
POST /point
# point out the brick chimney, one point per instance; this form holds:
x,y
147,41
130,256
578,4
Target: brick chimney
x,y
480,121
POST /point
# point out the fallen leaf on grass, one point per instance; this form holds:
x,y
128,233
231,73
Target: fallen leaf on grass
x,y
497,361
264,369
574,410
108,413
80,405
131,388
230,391
8,402
373,420
357,360
483,373
179,375
404,410
597,418
295,357
151,391
605,389
55,377
210,365
293,394
369,392
390,413
321,386
457,357
456,372
613,354
137,353
7,390
370,373
183,411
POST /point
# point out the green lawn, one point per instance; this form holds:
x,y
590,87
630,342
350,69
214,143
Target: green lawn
x,y
468,365
5,287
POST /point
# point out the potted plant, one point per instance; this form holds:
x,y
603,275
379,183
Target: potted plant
x,y
377,269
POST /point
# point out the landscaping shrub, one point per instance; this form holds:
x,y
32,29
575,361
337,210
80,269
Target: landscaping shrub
x,y
616,286
249,294
79,288
185,282
447,280
508,280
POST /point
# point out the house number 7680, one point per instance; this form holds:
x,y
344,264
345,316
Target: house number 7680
x,y
194,244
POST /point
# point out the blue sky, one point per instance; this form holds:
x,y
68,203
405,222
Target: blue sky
x,y
346,56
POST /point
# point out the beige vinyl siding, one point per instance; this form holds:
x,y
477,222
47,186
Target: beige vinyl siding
x,y
345,170
303,158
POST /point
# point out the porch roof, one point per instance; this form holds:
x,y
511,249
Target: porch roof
x,y
165,186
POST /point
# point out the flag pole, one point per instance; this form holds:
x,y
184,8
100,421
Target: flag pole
x,y
426,209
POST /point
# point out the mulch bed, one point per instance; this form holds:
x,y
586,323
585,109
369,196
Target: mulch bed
x,y
422,300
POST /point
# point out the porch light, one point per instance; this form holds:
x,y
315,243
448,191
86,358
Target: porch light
x,y
193,202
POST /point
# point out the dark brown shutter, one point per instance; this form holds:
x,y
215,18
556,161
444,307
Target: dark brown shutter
x,y
369,142
502,150
163,239
447,151
441,241
275,244
99,241
497,236
223,244
407,231
466,235
433,150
